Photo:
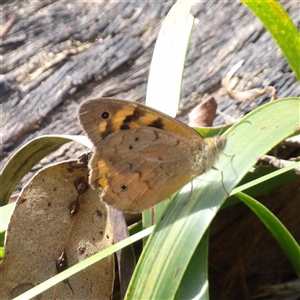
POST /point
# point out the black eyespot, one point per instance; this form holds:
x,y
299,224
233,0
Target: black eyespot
x,y
130,147
136,139
104,115
123,187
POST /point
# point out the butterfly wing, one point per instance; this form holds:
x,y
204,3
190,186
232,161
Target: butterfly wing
x,y
141,156
137,168
104,116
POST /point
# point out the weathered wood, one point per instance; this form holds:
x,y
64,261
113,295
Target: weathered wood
x,y
56,55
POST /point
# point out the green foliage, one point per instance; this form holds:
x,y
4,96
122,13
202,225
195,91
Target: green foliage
x,y
278,230
279,24
176,237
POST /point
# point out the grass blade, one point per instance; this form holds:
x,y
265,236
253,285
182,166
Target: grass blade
x,y
280,25
278,230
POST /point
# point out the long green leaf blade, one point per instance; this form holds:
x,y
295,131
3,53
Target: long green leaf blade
x,y
176,237
281,27
29,155
279,231
168,63
164,85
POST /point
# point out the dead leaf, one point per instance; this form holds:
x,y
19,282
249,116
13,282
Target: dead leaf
x,y
248,95
203,115
38,231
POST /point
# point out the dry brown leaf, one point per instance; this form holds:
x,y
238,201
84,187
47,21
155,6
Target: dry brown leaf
x,y
248,95
203,115
38,231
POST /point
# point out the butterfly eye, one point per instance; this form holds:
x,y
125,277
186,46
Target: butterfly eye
x,y
123,187
104,115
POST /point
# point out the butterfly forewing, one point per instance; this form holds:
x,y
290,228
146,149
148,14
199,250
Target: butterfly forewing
x,y
103,116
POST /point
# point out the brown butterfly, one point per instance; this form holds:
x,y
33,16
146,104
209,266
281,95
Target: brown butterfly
x,y
142,156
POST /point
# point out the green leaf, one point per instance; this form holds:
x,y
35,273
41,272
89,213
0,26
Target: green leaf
x,y
168,62
262,182
164,85
191,286
170,248
5,213
29,155
278,22
281,234
267,178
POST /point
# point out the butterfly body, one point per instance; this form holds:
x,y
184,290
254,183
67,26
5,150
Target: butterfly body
x,y
136,161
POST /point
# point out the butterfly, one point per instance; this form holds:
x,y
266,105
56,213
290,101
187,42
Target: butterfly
x,y
140,155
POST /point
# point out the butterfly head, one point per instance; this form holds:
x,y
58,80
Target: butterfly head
x,y
219,143
208,153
